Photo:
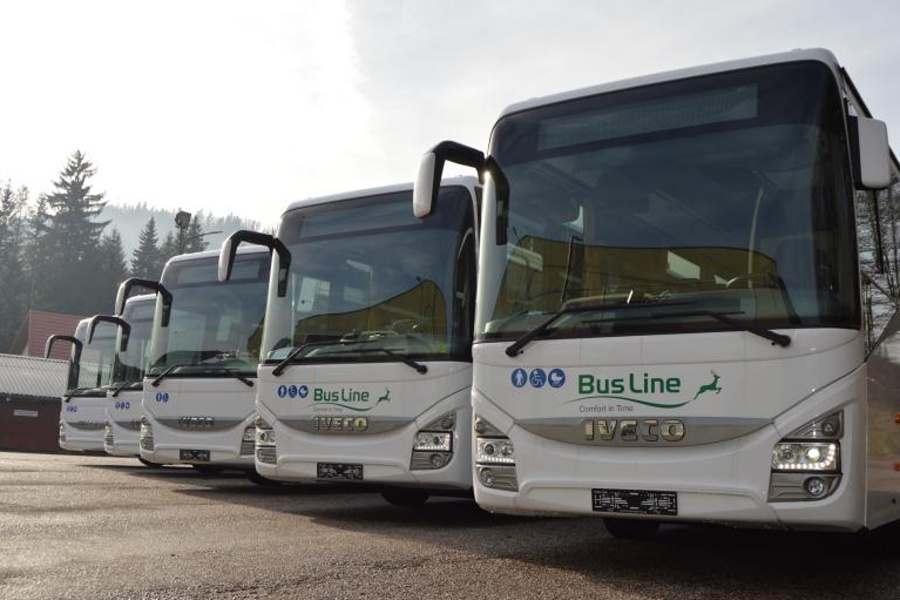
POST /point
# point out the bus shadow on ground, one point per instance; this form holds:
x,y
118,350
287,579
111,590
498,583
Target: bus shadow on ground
x,y
684,561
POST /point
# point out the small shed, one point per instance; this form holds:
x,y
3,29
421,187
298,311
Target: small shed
x,y
30,390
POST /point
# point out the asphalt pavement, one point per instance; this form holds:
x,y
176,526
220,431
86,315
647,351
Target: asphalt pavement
x,y
97,527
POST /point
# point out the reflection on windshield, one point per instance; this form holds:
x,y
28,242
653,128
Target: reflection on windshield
x,y
735,198
212,325
90,376
129,366
366,274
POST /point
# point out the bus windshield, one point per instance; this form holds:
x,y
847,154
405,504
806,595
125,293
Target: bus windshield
x,y
676,207
90,375
369,281
129,366
214,328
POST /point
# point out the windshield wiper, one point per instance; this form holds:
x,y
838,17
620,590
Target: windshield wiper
x,y
782,340
117,390
515,348
419,367
287,360
776,338
156,381
239,376
242,378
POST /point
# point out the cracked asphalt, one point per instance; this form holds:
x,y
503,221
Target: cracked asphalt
x,y
97,527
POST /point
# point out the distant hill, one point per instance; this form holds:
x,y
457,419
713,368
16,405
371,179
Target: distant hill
x,y
130,220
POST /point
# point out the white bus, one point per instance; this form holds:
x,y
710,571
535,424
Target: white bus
x,y
200,383
124,393
82,414
367,368
680,313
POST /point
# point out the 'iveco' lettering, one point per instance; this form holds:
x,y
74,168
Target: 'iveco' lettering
x,y
633,430
348,424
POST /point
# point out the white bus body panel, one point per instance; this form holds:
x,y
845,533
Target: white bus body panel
x,y
169,407
883,483
82,422
397,399
123,416
766,389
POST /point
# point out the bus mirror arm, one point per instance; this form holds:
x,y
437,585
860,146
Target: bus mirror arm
x,y
117,321
48,347
229,250
132,282
431,168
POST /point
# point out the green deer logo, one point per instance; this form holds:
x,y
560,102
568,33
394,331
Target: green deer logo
x,y
710,387
385,398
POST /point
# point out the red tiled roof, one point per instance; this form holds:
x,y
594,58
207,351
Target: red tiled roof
x,y
40,325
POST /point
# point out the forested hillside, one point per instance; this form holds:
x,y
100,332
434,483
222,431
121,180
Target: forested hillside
x,y
67,250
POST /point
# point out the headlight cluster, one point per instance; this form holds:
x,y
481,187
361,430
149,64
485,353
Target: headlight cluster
x,y
146,435
806,464
264,439
108,438
248,441
495,457
433,444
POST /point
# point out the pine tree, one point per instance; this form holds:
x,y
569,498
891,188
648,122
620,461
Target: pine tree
x,y
112,267
146,260
73,237
169,248
194,241
12,275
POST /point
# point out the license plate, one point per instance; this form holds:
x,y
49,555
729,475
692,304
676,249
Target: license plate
x,y
194,455
339,471
635,502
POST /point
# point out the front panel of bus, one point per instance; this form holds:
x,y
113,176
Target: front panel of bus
x,y
82,417
693,243
376,326
200,387
124,395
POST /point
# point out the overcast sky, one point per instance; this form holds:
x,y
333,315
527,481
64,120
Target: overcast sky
x,y
244,107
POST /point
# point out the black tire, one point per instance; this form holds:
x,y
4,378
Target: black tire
x,y
404,497
631,529
260,480
208,469
148,464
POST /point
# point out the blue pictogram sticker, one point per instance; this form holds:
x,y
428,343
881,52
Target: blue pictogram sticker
x,y
519,377
557,378
303,391
162,396
282,391
537,378
292,391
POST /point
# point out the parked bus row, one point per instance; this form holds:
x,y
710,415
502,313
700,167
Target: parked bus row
x,y
676,301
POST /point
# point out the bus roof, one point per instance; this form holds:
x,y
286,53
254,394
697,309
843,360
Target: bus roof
x,y
814,54
465,181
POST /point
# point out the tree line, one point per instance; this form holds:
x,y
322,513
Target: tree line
x,y
57,255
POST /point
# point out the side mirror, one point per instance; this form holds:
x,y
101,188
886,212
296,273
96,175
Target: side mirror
x,y
871,153
48,347
126,286
117,321
431,168
228,252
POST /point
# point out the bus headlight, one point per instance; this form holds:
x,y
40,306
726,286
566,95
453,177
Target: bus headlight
x,y
248,441
146,435
432,440
265,442
495,457
806,464
432,446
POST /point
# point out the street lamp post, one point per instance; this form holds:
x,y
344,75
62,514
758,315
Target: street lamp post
x,y
183,222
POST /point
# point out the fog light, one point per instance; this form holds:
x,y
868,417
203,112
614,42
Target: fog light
x,y
815,487
439,460
487,477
